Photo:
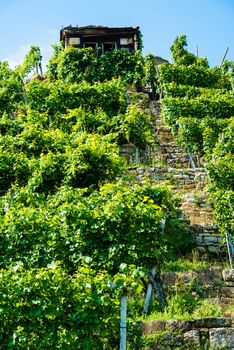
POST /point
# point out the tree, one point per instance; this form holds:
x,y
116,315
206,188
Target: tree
x,y
32,61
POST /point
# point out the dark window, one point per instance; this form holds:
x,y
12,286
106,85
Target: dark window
x,y
92,45
109,46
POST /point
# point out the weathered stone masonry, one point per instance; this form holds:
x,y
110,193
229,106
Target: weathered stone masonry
x,y
204,333
172,167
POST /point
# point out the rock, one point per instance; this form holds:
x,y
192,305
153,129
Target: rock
x,y
228,275
153,326
178,325
212,322
192,337
229,284
169,278
213,249
222,338
227,292
173,340
201,249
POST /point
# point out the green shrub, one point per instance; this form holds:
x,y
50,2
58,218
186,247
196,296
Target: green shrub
x,y
112,225
192,75
48,309
179,54
223,202
73,66
198,106
11,89
58,97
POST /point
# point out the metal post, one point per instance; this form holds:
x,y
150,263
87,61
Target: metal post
x,y
229,249
149,292
224,56
8,203
137,156
191,160
152,271
148,297
197,52
123,323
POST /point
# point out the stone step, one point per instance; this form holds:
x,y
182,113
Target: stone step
x,y
171,145
158,124
228,275
178,174
163,135
196,207
178,160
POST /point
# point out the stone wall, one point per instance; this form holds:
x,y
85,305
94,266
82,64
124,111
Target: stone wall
x,y
181,179
206,333
201,333
217,284
196,206
134,156
169,164
195,203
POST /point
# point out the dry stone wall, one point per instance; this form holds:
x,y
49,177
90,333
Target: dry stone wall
x,y
204,333
181,179
214,333
217,284
170,164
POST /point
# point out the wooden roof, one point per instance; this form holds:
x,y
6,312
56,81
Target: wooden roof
x,y
97,30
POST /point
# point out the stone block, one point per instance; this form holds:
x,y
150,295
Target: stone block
x,y
211,239
226,301
222,338
192,337
213,249
178,325
201,249
204,330
212,322
227,292
212,292
173,340
199,239
203,205
229,284
153,326
209,276
169,278
228,275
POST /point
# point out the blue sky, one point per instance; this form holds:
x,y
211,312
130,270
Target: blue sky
x,y
207,23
